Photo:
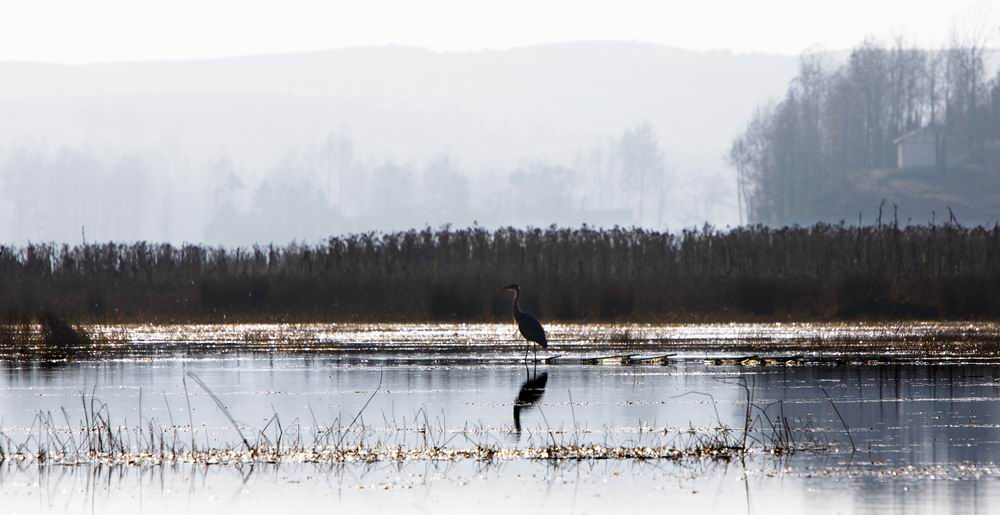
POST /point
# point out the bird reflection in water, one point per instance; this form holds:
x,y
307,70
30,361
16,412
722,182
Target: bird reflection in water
x,y
527,397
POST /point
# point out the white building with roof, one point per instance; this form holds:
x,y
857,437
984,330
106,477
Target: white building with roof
x,y
918,148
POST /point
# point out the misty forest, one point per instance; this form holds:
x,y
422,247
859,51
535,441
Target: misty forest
x,y
320,190
355,140
331,228
832,144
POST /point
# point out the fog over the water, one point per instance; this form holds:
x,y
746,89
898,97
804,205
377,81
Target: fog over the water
x,y
303,146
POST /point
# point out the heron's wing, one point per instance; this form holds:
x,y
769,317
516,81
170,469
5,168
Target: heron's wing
x,y
531,329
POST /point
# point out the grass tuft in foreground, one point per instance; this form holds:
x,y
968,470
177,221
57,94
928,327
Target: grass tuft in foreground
x,y
99,440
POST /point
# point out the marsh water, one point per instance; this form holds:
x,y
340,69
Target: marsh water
x,y
876,418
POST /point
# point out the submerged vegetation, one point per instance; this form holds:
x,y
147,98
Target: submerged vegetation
x,y
748,273
98,439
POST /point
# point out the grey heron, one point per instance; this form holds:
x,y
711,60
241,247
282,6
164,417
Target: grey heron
x,y
529,326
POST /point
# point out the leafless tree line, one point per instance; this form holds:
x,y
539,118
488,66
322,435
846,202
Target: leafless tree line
x,y
834,121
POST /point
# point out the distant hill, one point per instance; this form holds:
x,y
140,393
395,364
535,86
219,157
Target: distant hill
x,y
405,103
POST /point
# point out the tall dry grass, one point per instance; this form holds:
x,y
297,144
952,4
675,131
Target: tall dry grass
x,y
824,271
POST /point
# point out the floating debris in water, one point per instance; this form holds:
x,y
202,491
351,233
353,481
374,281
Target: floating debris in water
x,y
380,453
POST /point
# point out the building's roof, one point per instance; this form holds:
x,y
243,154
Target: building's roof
x,y
923,132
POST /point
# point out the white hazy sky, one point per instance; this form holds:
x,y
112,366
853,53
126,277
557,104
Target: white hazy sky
x,y
81,31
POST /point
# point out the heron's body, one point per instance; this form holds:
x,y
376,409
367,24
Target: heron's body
x,y
529,326
531,329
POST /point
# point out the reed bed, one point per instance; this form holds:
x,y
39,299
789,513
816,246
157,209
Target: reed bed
x,y
746,273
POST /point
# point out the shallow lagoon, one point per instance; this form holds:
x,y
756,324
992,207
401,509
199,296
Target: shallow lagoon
x,y
922,418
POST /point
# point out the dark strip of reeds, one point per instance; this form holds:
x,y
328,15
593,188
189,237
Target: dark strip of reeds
x,y
747,273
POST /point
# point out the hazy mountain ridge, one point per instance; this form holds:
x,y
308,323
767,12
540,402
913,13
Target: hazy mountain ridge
x,y
486,110
584,90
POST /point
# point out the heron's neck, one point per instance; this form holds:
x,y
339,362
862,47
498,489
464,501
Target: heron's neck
x,y
517,308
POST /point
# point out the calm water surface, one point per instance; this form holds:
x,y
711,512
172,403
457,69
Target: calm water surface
x,y
921,436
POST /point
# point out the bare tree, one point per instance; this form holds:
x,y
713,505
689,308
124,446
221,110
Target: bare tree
x,y
642,160
338,150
